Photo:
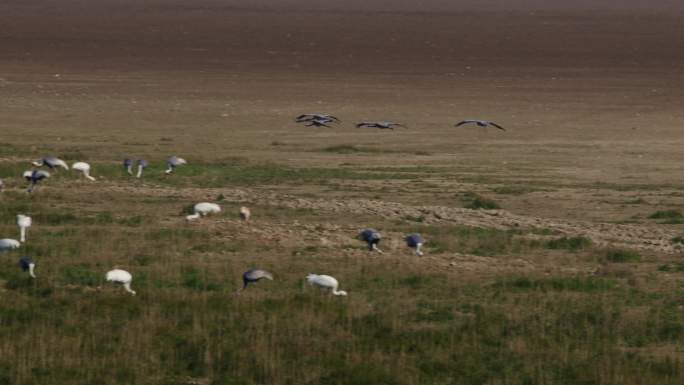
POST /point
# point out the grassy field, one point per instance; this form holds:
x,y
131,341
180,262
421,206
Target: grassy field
x,y
576,313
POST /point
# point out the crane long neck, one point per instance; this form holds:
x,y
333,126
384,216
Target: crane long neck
x,y
337,292
244,285
129,169
32,267
140,169
127,286
22,231
193,216
87,175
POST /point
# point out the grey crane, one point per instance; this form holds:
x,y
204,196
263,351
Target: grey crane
x,y
51,162
35,177
381,125
415,241
142,163
254,275
174,162
27,264
320,117
481,123
128,166
372,238
317,123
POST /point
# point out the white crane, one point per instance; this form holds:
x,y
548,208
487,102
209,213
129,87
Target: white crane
x,y
24,222
121,276
84,168
27,264
8,244
202,209
326,282
245,213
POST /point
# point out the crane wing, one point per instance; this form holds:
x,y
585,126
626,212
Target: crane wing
x,y
497,126
465,122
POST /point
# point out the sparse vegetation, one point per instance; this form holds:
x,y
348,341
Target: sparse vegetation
x,y
621,255
354,149
401,324
476,240
186,315
476,202
343,149
569,243
513,190
666,214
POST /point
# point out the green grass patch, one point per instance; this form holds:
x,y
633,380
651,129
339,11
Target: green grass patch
x,y
513,190
344,149
194,279
82,275
569,243
579,284
637,201
666,214
476,202
676,267
475,240
411,218
621,255
672,221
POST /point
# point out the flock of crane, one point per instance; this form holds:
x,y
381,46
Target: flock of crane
x,y
370,236
323,120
